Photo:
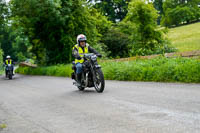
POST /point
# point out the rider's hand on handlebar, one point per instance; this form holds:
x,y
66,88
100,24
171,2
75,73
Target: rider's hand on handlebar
x,y
99,55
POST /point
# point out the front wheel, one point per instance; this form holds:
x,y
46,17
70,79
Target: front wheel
x,y
99,82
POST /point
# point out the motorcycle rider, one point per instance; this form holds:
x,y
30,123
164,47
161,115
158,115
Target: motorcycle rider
x,y
82,47
8,61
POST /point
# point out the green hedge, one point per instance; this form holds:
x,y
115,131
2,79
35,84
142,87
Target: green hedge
x,y
159,69
59,70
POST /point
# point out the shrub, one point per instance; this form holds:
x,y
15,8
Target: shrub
x,y
58,70
146,37
118,43
159,69
180,12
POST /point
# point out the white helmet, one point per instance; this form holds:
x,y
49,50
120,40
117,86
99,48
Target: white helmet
x,y
8,57
81,38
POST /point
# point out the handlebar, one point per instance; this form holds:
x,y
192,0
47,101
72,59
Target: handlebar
x,y
91,54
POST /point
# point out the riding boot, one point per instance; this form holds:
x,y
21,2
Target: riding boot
x,y
79,79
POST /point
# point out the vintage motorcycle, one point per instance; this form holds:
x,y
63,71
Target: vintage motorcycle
x,y
9,71
92,75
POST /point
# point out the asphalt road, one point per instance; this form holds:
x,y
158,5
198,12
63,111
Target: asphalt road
x,y
40,104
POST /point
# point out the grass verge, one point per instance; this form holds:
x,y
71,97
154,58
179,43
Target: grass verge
x,y
159,69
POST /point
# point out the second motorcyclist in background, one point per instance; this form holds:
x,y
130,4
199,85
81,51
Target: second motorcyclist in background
x,y
7,62
81,48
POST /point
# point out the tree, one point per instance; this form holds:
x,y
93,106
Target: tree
x,y
3,13
6,43
20,44
43,22
158,4
146,38
117,42
5,40
52,26
176,12
115,10
103,27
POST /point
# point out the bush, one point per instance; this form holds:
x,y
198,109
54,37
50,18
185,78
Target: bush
x,y
58,70
160,69
178,15
180,12
117,43
53,34
146,37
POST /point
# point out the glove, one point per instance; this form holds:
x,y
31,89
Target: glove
x,y
99,55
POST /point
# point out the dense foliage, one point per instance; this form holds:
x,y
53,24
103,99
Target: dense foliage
x,y
158,69
117,43
52,26
115,10
137,33
145,36
5,41
58,70
178,12
158,4
46,30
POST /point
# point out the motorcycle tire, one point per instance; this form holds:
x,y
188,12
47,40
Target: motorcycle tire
x,y
10,76
101,81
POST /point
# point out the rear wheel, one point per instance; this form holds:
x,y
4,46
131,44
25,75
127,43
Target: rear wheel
x,y
10,76
99,82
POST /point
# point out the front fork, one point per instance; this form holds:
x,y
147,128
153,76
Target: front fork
x,y
94,74
85,78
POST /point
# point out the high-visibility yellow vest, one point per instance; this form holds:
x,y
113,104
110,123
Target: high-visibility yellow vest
x,y
8,62
81,52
